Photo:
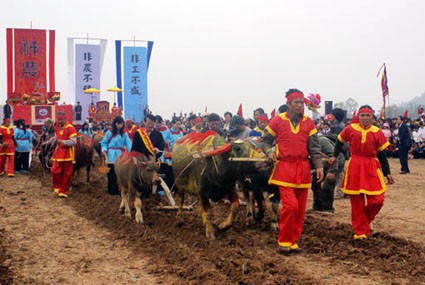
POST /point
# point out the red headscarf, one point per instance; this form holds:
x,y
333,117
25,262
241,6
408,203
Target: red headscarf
x,y
294,95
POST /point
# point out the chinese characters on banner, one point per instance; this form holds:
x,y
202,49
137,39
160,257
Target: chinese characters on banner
x,y
30,61
135,82
87,75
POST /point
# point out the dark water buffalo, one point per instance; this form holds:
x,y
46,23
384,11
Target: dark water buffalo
x,y
254,186
135,174
201,166
84,154
97,139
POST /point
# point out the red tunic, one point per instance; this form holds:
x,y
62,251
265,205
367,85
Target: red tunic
x,y
7,134
114,112
293,166
63,152
92,112
363,173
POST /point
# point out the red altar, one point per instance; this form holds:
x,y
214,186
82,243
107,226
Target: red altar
x,y
36,114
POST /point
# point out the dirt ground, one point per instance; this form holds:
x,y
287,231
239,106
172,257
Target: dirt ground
x,y
84,240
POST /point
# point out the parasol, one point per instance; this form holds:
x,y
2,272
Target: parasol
x,y
91,91
115,90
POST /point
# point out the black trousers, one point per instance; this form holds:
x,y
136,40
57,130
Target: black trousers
x,y
323,194
167,170
112,181
403,153
22,161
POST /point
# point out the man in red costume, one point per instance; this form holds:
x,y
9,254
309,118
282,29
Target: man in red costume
x,y
92,111
114,111
7,148
64,156
297,146
364,175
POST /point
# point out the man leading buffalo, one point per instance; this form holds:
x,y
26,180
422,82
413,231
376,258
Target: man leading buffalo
x,y
297,147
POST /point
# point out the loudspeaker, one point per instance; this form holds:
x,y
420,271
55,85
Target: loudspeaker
x,y
328,107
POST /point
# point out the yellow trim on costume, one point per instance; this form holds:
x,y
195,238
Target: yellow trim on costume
x,y
72,152
62,195
147,141
294,130
11,175
363,131
62,159
360,236
7,153
270,131
345,174
384,146
287,184
294,246
72,135
7,128
285,244
340,139
257,129
312,132
364,191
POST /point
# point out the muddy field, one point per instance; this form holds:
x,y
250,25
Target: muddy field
x,y
84,240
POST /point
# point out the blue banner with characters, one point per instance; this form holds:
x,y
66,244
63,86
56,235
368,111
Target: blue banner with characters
x,y
135,82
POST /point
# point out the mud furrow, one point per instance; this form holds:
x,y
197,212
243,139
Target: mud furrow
x,y
246,255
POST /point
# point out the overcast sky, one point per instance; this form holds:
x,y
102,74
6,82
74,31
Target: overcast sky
x,y
222,53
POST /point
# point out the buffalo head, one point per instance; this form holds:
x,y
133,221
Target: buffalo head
x,y
146,170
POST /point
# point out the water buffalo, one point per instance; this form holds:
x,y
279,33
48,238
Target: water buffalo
x,y
135,174
84,154
201,167
253,186
97,139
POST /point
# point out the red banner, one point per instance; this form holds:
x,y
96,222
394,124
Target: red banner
x,y
30,61
42,112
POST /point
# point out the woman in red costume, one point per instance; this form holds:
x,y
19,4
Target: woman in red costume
x,y
364,176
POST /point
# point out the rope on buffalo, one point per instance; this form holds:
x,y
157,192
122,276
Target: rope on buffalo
x,y
180,174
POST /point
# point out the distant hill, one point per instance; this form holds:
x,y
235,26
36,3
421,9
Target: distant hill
x,y
411,106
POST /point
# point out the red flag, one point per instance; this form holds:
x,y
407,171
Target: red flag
x,y
406,114
382,114
273,113
239,112
384,83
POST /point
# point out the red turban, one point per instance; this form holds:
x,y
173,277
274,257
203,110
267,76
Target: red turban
x,y
365,110
263,118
